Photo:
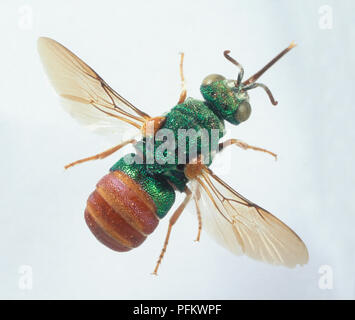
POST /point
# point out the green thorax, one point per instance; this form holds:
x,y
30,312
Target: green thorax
x,y
192,114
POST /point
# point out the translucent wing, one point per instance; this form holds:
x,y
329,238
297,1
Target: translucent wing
x,y
85,95
243,227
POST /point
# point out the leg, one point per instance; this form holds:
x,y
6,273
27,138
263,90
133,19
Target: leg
x,y
101,155
243,145
197,196
183,90
172,221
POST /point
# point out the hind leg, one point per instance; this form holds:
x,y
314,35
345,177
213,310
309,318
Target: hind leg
x,y
197,197
172,221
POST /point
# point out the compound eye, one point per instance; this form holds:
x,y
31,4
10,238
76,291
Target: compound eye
x,y
243,112
212,78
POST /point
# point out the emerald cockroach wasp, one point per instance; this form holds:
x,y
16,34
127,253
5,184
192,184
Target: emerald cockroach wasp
x,y
129,201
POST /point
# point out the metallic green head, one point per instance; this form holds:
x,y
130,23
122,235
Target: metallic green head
x,y
229,99
225,99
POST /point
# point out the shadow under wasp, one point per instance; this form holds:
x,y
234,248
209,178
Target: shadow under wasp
x,y
129,201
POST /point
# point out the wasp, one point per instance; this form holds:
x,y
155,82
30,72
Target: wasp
x,y
129,201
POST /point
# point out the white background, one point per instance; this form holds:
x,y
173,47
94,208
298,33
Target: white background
x,y
134,46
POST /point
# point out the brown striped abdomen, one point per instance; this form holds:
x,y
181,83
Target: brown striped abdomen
x,y
120,213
